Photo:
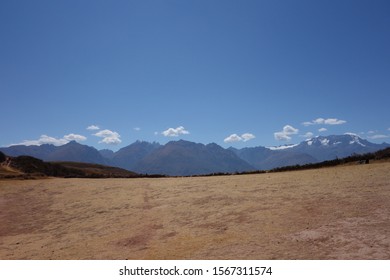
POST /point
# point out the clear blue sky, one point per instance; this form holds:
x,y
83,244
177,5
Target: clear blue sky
x,y
263,72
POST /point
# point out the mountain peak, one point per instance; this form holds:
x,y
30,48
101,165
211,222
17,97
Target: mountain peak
x,y
183,143
213,145
72,142
333,140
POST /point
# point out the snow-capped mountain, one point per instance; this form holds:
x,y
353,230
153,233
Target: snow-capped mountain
x,y
337,146
313,150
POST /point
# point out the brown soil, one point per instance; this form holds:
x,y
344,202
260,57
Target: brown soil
x,y
330,213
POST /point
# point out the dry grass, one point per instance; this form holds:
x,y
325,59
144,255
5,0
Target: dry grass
x,y
331,213
9,171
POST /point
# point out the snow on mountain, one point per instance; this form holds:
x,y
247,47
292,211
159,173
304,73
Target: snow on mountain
x,y
337,146
355,139
325,142
333,140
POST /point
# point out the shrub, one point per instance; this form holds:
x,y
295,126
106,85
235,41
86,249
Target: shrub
x,y
2,157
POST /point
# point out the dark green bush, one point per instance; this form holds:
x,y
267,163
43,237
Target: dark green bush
x,y
2,157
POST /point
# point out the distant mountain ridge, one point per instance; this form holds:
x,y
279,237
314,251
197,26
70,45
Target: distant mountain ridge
x,y
181,158
71,151
333,146
27,167
263,158
313,150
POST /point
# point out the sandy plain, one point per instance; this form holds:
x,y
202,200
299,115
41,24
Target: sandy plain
x,y
330,213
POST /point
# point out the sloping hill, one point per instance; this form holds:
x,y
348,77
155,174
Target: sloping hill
x,y
7,171
91,170
30,167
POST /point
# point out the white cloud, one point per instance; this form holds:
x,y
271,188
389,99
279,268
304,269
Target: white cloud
x,y
137,128
285,134
379,136
351,133
308,135
330,121
75,137
282,147
237,138
232,138
174,132
280,136
334,121
109,137
93,127
322,129
45,139
290,130
247,136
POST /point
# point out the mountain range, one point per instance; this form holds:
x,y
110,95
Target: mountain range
x,y
182,158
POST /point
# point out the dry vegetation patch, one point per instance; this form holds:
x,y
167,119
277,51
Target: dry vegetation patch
x,y
331,213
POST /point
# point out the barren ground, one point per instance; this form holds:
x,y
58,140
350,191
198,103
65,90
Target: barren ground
x,y
330,213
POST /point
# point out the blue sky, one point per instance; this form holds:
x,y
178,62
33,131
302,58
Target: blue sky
x,y
237,73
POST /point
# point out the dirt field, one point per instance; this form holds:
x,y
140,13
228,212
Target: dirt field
x,y
331,213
